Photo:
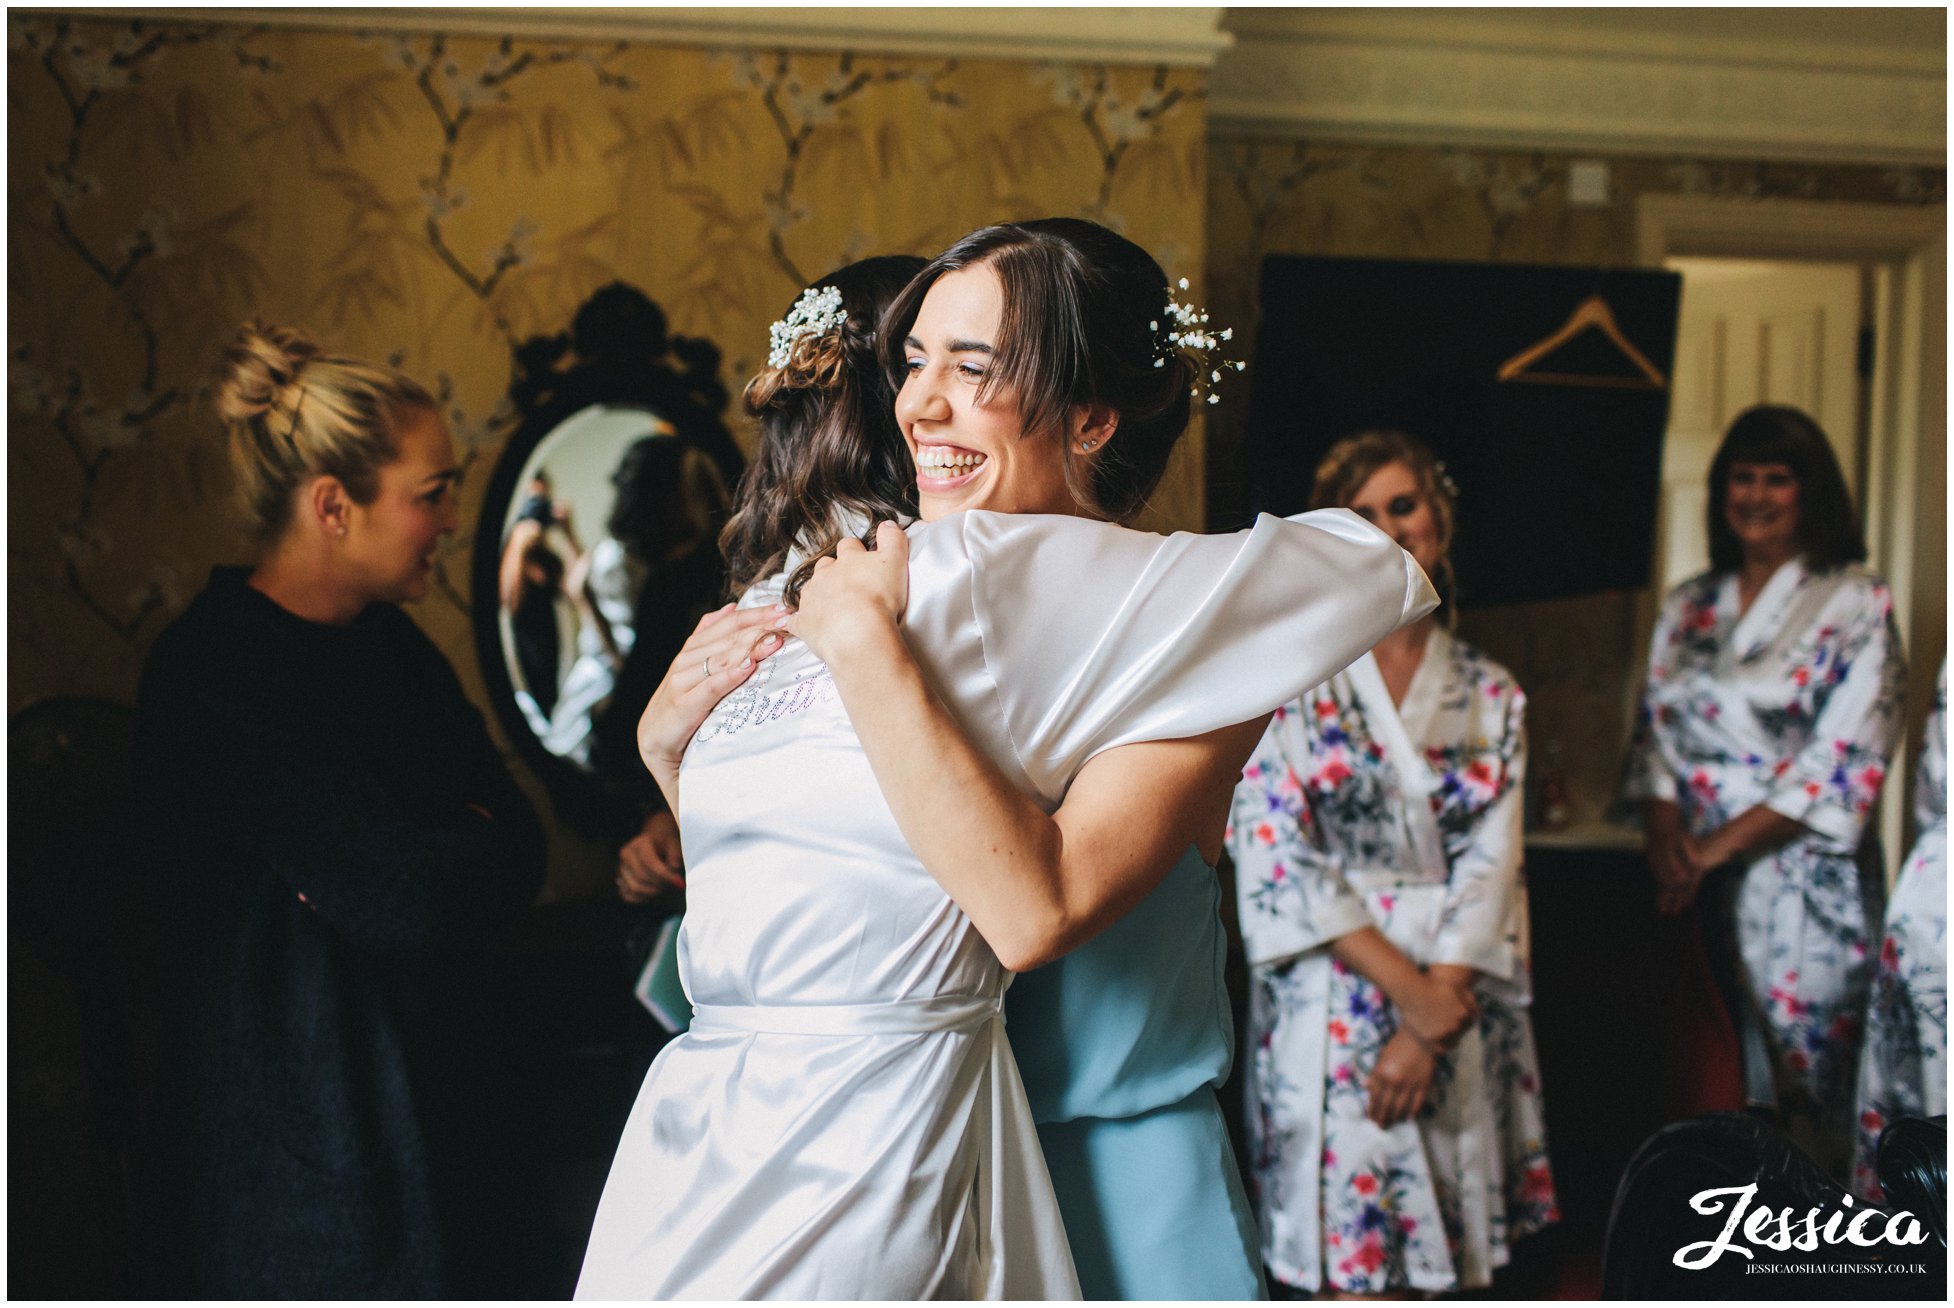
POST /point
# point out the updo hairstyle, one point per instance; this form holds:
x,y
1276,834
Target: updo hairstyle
x,y
829,443
295,412
1354,460
1085,323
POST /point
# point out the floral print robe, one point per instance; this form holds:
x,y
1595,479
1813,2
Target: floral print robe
x,y
1903,1072
1795,704
1323,846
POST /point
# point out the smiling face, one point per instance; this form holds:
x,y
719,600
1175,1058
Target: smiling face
x,y
1760,505
390,543
971,452
1392,499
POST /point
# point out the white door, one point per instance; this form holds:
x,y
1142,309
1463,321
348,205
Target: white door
x,y
1753,332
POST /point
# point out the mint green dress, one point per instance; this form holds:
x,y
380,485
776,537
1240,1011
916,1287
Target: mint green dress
x,y
1121,1045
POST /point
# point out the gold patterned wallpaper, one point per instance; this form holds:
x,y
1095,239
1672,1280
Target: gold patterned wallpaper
x,y
1576,658
431,199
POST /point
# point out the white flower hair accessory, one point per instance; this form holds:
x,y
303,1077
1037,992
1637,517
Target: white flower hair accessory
x,y
1188,330
815,313
1445,479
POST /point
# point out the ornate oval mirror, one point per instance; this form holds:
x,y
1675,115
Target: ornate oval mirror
x,y
597,550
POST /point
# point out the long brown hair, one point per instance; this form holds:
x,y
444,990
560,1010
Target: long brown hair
x,y
1084,324
829,443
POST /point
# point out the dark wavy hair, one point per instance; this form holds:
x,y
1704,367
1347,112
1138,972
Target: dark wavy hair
x,y
645,517
828,438
1084,324
1828,527
669,497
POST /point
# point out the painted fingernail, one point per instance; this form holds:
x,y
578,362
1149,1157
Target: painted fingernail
x,y
744,665
770,641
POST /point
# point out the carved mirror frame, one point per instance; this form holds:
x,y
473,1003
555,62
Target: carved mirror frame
x,y
617,352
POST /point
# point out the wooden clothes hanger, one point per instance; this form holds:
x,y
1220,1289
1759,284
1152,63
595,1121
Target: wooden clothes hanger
x,y
1591,312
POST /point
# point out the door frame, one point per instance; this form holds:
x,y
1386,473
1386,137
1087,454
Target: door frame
x,y
1906,431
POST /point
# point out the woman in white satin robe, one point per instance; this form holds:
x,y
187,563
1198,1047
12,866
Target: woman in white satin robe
x,y
1377,844
844,1119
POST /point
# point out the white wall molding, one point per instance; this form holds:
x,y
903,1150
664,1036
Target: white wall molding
x,y
1742,228
1749,84
1906,473
1179,37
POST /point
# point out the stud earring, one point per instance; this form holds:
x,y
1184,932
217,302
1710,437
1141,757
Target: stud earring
x,y
1085,447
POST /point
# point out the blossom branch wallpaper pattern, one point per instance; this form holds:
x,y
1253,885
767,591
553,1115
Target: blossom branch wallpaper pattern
x,y
430,200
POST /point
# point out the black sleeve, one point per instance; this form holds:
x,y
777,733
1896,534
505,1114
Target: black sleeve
x,y
392,877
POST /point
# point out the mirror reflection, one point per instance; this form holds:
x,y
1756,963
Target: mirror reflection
x,y
608,560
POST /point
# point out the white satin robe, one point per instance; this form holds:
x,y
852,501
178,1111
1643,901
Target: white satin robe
x,y
844,1119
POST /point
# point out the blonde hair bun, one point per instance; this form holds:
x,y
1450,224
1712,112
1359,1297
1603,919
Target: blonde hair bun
x,y
258,366
294,411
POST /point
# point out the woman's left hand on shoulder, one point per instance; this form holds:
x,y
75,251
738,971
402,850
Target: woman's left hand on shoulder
x,y
855,597
720,654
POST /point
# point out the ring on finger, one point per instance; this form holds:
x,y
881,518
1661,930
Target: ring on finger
x,y
708,667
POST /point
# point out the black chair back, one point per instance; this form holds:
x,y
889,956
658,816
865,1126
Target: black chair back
x,y
1670,1237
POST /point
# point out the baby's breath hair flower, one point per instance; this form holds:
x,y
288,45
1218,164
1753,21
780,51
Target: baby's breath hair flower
x,y
1445,478
814,314
1187,329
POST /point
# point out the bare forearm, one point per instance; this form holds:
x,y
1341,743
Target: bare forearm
x,y
667,779
991,847
1754,830
1034,884
1661,817
1437,1005
1367,953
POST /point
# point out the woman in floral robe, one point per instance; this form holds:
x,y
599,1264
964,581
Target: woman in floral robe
x,y
1904,1070
1395,1117
1771,709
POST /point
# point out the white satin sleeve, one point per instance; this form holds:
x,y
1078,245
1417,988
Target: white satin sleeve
x,y
1096,636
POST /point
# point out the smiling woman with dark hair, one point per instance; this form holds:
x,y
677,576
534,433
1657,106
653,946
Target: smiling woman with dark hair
x,y
979,754
1785,443
1770,713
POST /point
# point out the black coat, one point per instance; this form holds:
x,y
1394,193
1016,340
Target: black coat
x,y
328,836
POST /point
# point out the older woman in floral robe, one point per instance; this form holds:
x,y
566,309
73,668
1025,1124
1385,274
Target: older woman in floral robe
x,y
1771,709
1793,705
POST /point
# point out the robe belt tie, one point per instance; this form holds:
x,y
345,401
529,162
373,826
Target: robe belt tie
x,y
1386,878
1011,1198
899,1017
